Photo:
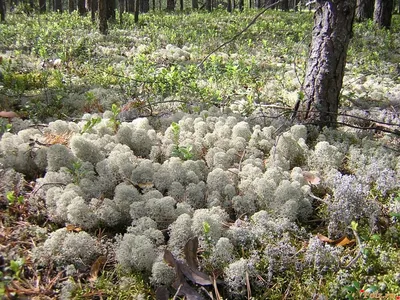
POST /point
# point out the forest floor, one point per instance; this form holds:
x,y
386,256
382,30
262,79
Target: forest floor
x,y
58,67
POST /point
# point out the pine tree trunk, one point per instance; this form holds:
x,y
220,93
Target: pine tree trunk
x,y
137,7
81,7
103,26
145,6
208,5
2,10
111,10
93,9
57,5
383,13
333,22
130,6
364,10
170,5
71,5
285,5
42,6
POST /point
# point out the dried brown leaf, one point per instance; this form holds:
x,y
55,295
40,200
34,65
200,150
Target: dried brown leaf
x,y
8,114
324,238
190,251
71,227
96,267
345,242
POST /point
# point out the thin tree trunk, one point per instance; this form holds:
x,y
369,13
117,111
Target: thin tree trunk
x,y
383,13
241,5
170,5
285,5
42,6
137,5
2,10
130,6
103,26
333,22
71,5
229,6
57,5
208,5
145,6
195,4
121,9
364,10
181,4
111,10
81,7
94,8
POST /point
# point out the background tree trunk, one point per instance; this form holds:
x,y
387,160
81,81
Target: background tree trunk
x,y
241,5
2,10
229,6
137,7
364,10
94,8
208,5
121,8
57,5
111,10
383,13
42,6
103,26
333,22
130,6
285,5
81,7
71,6
195,4
170,5
144,6
181,4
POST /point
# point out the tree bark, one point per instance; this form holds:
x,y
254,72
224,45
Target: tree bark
x,y
71,5
208,5
42,6
137,7
2,10
229,6
93,9
81,7
383,13
170,5
111,10
364,10
103,26
195,4
57,5
130,6
181,4
145,6
285,5
333,22
241,5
